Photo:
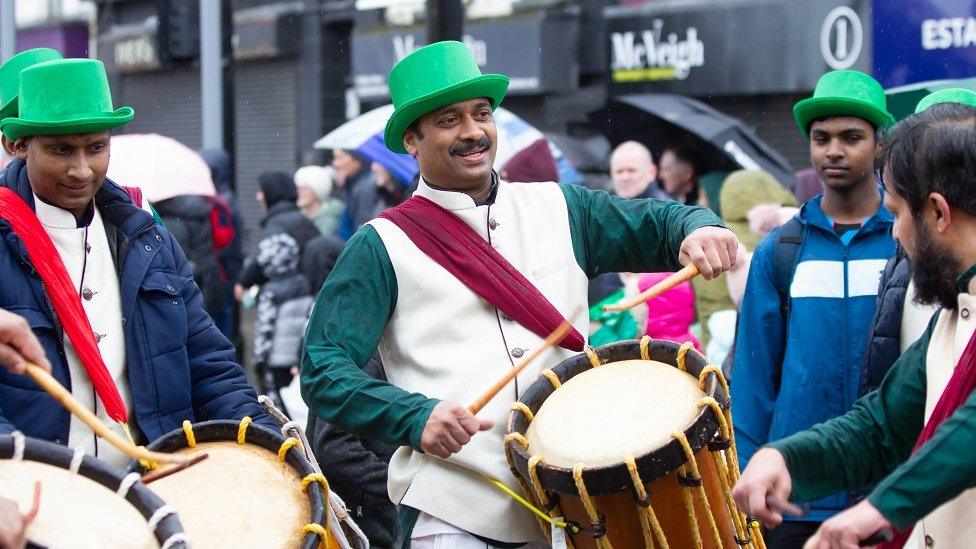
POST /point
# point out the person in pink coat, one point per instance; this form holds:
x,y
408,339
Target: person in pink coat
x,y
670,315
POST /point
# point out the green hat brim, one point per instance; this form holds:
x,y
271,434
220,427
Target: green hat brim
x,y
9,108
15,128
808,110
492,86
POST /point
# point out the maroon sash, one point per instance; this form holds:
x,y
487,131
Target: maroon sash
x,y
466,255
64,297
957,391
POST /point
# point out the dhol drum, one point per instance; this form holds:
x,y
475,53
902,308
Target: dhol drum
x,y
632,443
84,503
256,489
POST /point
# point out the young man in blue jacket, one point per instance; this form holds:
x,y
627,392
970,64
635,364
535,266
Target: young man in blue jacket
x,y
153,357
801,337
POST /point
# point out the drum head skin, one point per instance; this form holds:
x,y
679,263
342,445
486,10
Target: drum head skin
x,y
80,504
599,420
241,495
629,407
75,511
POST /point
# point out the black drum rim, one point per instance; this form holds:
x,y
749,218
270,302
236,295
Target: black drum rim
x,y
223,430
139,495
615,478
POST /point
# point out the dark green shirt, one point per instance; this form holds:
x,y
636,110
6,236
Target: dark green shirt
x,y
609,234
873,443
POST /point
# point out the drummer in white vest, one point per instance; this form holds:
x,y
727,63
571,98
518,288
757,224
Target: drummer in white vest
x,y
913,436
455,285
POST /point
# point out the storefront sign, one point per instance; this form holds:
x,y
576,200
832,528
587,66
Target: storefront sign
x,y
921,40
537,52
761,47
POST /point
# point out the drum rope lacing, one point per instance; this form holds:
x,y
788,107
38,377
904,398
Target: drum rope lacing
x,y
722,450
287,444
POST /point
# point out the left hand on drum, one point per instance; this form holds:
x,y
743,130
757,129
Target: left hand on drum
x,y
712,249
846,530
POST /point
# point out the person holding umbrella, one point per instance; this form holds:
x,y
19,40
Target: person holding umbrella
x,y
426,285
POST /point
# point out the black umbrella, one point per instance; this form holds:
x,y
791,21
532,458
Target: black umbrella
x,y
662,119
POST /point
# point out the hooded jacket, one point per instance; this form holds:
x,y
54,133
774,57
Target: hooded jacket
x,y
793,374
178,364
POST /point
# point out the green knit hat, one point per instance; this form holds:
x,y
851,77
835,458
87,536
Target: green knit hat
x,y
844,93
948,95
63,97
432,77
10,76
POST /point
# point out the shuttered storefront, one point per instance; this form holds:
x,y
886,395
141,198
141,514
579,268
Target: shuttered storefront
x,y
266,115
166,102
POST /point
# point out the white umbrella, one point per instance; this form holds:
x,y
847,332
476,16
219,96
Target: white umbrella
x,y
161,166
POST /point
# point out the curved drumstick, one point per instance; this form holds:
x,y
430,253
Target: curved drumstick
x,y
62,395
684,275
552,339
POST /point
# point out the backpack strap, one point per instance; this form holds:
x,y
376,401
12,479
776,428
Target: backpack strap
x,y
790,238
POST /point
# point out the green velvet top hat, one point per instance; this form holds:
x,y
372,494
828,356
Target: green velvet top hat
x,y
844,93
948,95
10,76
64,97
432,77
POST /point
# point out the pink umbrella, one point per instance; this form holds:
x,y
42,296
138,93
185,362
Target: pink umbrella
x,y
161,166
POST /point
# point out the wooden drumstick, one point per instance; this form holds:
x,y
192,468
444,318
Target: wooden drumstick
x,y
553,339
56,390
784,507
163,473
31,514
684,275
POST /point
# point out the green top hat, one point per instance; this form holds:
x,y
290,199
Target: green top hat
x,y
10,76
62,97
948,95
844,93
432,77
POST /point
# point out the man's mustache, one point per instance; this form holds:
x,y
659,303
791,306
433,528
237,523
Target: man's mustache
x,y
469,146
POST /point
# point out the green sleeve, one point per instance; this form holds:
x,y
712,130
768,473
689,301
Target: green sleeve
x,y
349,317
612,234
941,470
866,444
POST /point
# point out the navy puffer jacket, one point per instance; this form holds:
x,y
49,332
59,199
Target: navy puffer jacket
x,y
179,365
884,336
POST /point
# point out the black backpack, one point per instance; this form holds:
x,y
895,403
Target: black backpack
x,y
785,254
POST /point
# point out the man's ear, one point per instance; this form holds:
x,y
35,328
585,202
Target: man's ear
x,y
20,147
410,142
942,212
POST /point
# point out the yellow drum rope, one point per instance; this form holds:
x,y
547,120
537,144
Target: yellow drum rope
x,y
645,347
682,355
191,439
649,522
521,407
692,465
242,429
552,377
594,358
596,521
287,445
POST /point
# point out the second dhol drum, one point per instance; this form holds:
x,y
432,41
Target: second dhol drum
x,y
632,443
256,489
84,503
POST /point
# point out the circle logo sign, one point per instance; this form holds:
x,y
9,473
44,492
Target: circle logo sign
x,y
841,38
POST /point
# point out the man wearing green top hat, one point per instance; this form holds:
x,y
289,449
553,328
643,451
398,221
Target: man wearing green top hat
x,y
456,285
813,284
10,82
97,280
912,438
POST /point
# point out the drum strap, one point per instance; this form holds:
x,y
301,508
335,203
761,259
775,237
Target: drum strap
x,y
64,297
454,245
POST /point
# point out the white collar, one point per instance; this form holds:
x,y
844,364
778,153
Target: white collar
x,y
54,217
449,200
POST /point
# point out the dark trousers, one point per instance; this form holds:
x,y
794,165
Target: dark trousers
x,y
790,535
